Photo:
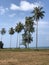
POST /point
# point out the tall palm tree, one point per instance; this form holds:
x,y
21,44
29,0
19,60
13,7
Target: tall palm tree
x,y
18,29
37,14
29,25
11,32
3,31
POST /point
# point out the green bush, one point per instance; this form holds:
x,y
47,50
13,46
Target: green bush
x,y
1,44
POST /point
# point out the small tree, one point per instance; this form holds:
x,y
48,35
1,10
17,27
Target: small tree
x,y
11,32
1,44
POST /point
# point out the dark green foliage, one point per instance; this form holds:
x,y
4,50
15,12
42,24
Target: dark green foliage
x,y
11,31
29,23
38,13
19,27
26,39
1,44
3,31
28,29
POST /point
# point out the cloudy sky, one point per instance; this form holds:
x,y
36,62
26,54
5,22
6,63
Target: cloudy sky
x,y
13,11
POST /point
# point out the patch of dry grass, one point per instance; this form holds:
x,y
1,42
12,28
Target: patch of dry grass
x,y
24,58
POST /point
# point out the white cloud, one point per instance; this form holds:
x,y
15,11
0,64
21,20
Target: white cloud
x,y
24,6
43,24
12,15
14,7
6,9
3,10
43,27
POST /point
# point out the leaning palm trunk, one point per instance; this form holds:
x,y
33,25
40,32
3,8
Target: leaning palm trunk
x,y
37,35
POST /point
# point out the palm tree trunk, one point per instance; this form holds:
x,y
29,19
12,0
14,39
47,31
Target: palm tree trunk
x,y
17,41
10,41
28,39
37,35
28,45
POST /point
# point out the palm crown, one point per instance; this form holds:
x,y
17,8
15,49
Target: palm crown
x,y
19,27
38,13
3,31
11,31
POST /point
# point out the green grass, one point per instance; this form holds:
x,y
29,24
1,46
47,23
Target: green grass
x,y
22,49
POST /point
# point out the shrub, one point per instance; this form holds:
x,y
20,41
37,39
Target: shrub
x,y
1,44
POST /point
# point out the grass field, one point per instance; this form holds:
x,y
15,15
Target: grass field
x,y
24,57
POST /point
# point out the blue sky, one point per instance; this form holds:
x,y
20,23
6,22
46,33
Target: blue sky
x,y
13,11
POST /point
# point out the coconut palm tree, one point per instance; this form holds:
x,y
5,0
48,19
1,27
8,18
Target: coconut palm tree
x,y
18,29
29,25
11,32
28,29
26,39
37,14
3,31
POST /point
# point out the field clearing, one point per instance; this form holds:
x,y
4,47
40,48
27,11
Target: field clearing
x,y
33,57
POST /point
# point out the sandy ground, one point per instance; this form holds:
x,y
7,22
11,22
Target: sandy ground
x,y
24,58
